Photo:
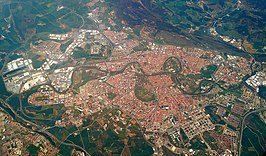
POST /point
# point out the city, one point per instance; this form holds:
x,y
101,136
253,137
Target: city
x,y
88,82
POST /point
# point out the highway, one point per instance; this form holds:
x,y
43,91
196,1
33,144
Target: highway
x,y
41,129
242,127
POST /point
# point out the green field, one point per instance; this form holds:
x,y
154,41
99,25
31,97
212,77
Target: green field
x,y
254,138
208,71
143,94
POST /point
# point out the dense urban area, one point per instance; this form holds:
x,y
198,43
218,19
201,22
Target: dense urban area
x,y
78,79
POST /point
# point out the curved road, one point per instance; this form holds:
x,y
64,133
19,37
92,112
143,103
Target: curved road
x,y
41,129
242,127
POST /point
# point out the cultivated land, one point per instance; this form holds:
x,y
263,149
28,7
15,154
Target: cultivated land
x,y
79,80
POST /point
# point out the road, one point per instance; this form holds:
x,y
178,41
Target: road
x,y
242,127
41,129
